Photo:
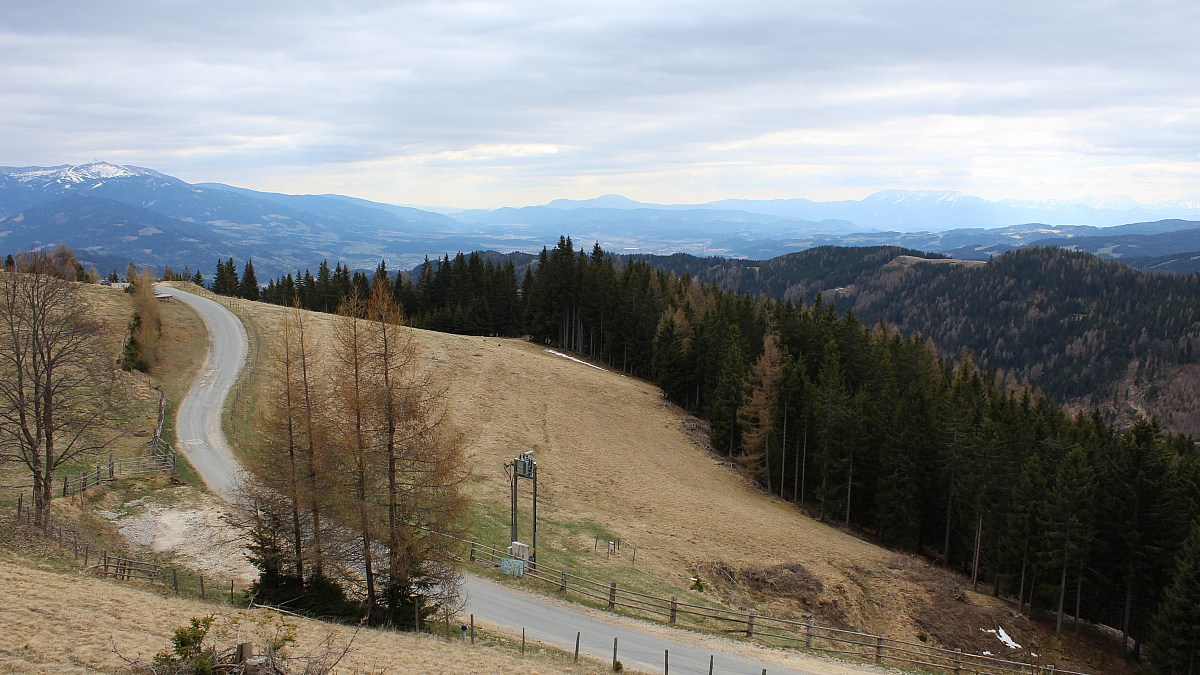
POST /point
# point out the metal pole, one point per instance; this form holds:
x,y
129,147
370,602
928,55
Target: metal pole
x,y
533,553
512,531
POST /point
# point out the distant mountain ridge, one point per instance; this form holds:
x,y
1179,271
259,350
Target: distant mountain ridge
x,y
286,233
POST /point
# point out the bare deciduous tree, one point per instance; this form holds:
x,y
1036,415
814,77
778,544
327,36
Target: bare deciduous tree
x,y
408,462
53,374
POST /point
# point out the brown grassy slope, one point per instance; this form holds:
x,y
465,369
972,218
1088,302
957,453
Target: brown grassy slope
x,y
65,623
611,452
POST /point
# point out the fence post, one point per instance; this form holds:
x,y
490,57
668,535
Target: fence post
x,y
64,486
472,629
472,550
20,505
750,625
674,608
808,626
666,662
614,655
576,646
957,661
879,649
175,580
612,595
201,585
110,467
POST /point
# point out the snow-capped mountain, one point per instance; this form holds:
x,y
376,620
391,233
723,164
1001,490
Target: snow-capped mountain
x,y
109,211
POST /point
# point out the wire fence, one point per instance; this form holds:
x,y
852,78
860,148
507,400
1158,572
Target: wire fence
x,y
777,631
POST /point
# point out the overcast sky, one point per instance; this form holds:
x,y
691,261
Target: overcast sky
x,y
508,103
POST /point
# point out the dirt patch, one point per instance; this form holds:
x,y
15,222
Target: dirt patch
x,y
197,531
790,587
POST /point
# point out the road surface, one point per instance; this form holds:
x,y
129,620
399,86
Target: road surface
x,y
198,424
202,441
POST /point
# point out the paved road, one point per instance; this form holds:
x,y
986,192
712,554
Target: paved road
x,y
198,424
202,441
554,624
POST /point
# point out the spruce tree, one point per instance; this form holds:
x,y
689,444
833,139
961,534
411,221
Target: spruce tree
x,y
248,288
1175,628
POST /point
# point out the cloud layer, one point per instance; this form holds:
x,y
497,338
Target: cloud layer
x,y
491,103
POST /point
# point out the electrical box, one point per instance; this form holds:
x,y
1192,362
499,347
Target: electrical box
x,y
524,465
519,551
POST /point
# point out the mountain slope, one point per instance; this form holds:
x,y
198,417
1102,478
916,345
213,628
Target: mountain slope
x,y
1083,329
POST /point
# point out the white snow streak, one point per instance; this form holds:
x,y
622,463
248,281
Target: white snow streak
x,y
572,358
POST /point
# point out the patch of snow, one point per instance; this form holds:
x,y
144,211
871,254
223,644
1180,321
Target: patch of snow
x,y
1002,636
149,230
572,358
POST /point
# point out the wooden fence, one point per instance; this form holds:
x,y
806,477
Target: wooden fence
x,y
117,567
877,648
160,457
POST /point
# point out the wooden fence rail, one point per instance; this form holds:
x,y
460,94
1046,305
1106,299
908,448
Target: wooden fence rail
x,y
126,568
160,458
877,648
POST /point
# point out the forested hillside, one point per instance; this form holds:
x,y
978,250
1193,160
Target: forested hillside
x,y
1080,328
796,277
878,431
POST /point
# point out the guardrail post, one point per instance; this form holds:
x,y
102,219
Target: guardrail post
x,y
808,627
674,608
879,649
612,595
562,584
750,625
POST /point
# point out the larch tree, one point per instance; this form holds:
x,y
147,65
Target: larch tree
x,y
407,461
53,371
756,413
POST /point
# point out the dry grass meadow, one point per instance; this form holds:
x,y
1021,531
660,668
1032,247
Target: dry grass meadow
x,y
71,623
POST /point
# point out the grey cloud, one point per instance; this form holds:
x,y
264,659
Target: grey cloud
x,y
620,87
